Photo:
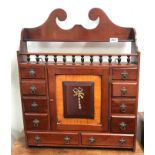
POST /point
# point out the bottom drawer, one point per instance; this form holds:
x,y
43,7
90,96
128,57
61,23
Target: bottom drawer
x,y
52,138
108,140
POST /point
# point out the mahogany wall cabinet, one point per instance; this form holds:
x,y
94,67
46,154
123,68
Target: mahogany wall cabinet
x,y
68,101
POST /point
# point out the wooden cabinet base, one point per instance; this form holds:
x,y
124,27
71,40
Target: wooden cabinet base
x,y
75,139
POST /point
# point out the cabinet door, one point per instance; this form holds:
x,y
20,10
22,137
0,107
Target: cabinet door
x,y
78,97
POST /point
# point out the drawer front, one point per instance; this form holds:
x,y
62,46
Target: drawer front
x,y
124,88
36,122
55,138
35,105
124,73
110,140
123,106
122,125
31,72
33,87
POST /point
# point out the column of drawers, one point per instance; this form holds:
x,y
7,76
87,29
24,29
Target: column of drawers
x,y
34,97
123,101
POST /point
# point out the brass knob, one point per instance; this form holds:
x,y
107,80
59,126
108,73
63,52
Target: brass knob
x,y
35,122
91,140
124,75
37,139
123,91
33,90
66,140
32,73
122,141
34,106
123,126
123,108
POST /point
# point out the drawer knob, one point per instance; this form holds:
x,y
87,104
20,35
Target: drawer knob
x,y
32,73
122,141
37,139
33,89
122,126
124,75
36,122
34,106
123,91
66,140
91,140
123,108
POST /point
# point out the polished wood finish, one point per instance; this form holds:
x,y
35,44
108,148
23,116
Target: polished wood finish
x,y
50,31
20,148
72,107
112,140
42,123
131,73
109,117
130,87
32,72
35,105
123,106
64,75
72,139
38,84
55,138
116,124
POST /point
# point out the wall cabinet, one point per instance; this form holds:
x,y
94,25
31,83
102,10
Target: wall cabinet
x,y
77,103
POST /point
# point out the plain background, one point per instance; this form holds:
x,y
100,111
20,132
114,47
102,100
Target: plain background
x,y
17,14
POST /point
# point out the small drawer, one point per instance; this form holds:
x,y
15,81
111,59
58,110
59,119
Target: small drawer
x,y
32,72
123,106
52,138
124,73
33,87
123,124
35,105
36,121
124,88
109,140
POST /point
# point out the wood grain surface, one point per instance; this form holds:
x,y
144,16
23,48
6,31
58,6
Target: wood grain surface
x,y
50,31
20,148
97,99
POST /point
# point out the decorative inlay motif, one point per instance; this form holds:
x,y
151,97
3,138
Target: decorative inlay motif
x,y
80,95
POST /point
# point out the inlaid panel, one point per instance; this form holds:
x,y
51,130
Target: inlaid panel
x,y
78,99
97,99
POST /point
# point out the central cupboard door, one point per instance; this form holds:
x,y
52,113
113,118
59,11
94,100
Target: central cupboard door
x,y
78,98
